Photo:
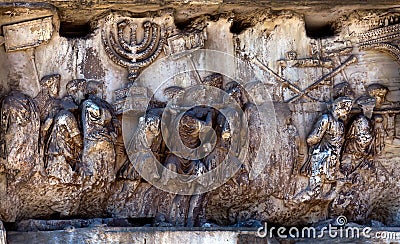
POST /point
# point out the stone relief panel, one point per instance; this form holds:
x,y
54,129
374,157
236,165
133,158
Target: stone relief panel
x,y
330,147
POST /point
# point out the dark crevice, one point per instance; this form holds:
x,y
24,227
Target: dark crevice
x,y
138,222
10,226
75,30
196,23
238,27
55,215
319,31
183,24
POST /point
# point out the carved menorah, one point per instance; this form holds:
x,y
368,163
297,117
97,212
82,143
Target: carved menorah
x,y
130,53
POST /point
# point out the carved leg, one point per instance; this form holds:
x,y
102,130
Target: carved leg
x,y
195,206
315,184
168,175
3,185
313,190
178,210
58,168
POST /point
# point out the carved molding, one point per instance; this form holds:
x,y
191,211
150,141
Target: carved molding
x,y
384,39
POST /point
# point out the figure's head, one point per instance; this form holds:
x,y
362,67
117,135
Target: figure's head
x,y
257,92
234,91
291,55
342,89
379,92
367,104
341,107
76,88
94,111
215,80
51,83
152,123
190,124
172,92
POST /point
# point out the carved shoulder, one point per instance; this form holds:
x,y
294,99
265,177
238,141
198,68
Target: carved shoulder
x,y
319,129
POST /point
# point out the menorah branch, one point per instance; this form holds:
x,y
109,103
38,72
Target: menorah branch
x,y
125,50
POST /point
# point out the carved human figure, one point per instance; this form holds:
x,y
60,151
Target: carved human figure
x,y
361,133
146,141
60,135
290,165
235,91
382,121
99,134
222,159
250,136
46,100
48,105
190,128
20,124
325,146
100,128
63,148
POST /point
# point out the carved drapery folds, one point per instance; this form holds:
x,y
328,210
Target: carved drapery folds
x,y
20,136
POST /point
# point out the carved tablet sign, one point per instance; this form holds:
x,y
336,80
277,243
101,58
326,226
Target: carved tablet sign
x,y
185,41
27,34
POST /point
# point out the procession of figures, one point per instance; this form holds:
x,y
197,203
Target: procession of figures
x,y
73,140
283,129
50,136
337,152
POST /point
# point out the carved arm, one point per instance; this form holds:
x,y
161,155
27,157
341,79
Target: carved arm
x,y
319,130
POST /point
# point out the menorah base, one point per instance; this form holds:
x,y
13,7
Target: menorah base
x,y
133,73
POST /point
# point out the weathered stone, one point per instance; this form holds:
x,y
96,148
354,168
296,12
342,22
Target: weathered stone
x,y
233,113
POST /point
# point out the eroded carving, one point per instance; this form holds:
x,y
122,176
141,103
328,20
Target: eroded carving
x,y
20,125
60,137
146,141
325,146
34,33
100,131
64,148
293,62
382,39
70,149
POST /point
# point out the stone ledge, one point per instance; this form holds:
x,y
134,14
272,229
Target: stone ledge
x,y
213,235
130,235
